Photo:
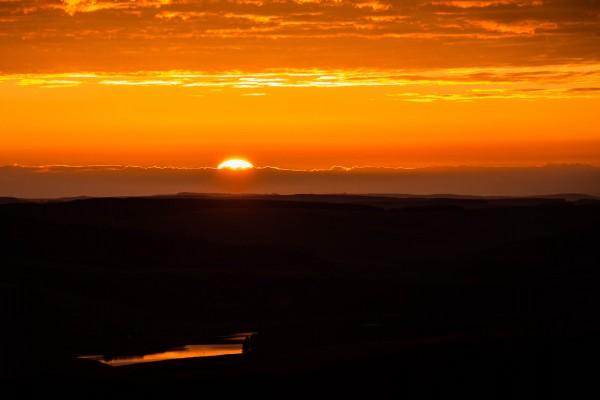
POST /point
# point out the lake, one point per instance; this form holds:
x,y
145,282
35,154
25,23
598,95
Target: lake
x,y
228,345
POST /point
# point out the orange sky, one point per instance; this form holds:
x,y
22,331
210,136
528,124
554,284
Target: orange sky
x,y
299,84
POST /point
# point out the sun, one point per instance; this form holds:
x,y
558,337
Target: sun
x,y
235,164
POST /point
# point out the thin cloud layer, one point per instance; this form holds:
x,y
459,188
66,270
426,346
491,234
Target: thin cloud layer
x,y
64,181
460,84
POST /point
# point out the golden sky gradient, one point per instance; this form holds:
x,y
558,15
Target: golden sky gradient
x,y
299,84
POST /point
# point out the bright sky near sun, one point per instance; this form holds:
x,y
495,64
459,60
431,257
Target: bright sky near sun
x,y
235,164
299,84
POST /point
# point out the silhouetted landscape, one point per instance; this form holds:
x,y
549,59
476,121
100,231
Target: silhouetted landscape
x,y
420,297
313,199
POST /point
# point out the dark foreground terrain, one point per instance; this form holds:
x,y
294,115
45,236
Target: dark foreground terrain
x,y
413,297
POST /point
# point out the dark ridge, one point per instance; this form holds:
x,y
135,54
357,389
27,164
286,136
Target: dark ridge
x,y
11,200
425,297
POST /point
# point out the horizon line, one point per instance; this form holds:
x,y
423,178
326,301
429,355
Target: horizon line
x,y
399,195
333,168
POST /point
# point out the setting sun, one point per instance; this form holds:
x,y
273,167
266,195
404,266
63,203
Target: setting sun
x,y
235,164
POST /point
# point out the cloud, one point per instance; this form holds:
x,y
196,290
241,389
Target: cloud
x,y
72,7
150,82
528,27
570,81
48,83
146,34
488,3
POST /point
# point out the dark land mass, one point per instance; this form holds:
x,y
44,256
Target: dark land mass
x,y
416,297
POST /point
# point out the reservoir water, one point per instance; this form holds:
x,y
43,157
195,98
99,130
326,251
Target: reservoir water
x,y
227,345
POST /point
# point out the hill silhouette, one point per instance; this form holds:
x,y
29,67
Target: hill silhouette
x,y
425,296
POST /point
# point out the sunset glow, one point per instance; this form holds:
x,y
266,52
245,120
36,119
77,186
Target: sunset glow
x,y
383,196
299,84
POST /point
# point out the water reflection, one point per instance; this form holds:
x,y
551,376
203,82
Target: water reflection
x,y
232,345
